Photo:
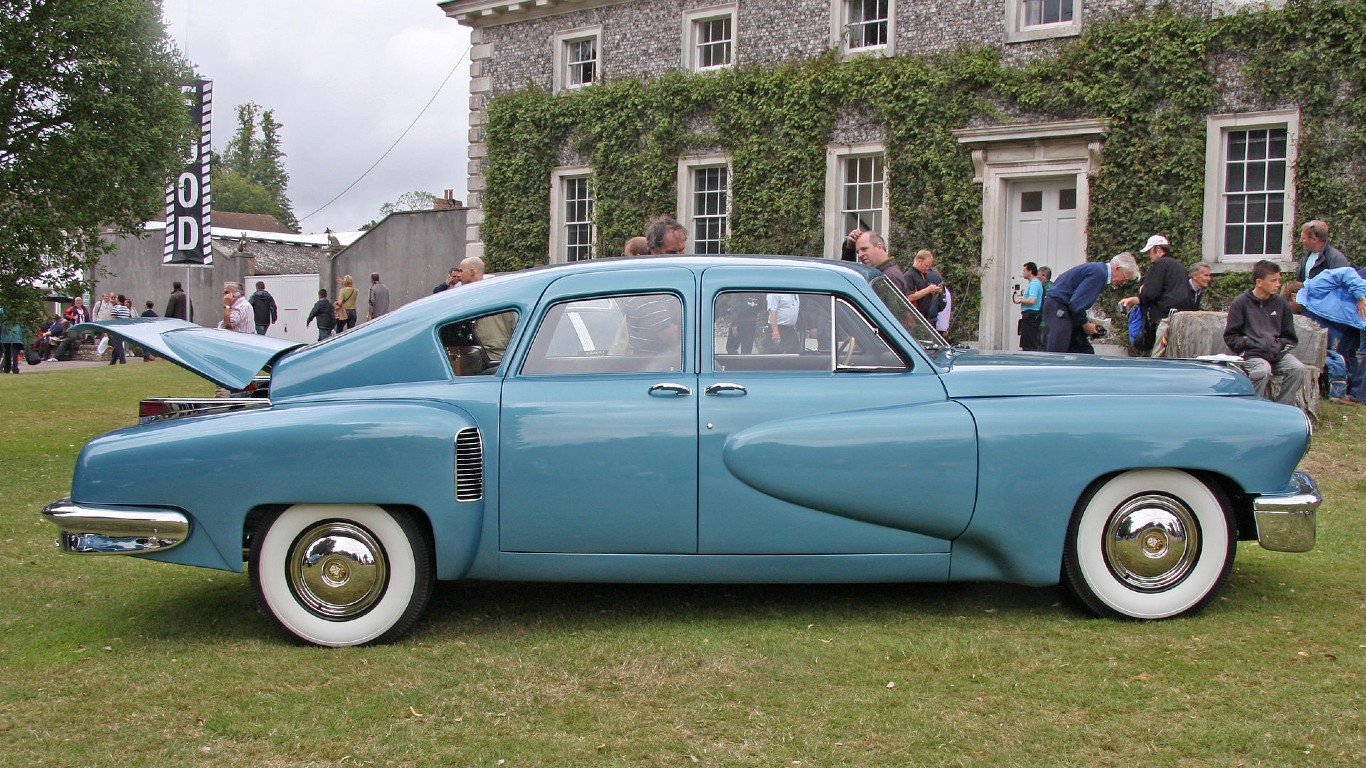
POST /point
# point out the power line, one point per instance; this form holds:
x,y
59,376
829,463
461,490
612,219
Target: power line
x,y
391,148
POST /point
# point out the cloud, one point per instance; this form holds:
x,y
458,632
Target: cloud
x,y
344,78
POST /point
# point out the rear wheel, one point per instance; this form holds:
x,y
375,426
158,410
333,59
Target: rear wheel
x,y
1149,544
338,575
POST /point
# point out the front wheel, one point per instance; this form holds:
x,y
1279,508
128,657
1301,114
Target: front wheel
x,y
1149,544
337,575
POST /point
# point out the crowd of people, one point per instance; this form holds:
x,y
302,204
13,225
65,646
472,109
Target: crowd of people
x,y
1054,315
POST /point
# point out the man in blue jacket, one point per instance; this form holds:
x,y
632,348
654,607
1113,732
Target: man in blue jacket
x,y
1075,291
1336,300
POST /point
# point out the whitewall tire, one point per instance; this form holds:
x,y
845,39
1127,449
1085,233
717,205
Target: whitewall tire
x,y
1149,544
336,575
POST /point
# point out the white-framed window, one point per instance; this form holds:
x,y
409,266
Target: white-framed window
x,y
1042,19
578,58
1250,186
863,26
709,38
571,215
704,202
855,192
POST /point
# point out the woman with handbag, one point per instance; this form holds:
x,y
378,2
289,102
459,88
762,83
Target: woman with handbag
x,y
347,301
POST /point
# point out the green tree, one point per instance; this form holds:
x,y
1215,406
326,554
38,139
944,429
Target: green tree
x,y
92,128
250,176
417,200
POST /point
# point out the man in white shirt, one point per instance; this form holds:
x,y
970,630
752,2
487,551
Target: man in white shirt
x,y
782,321
237,315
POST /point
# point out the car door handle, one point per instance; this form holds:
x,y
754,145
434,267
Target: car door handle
x,y
725,389
666,389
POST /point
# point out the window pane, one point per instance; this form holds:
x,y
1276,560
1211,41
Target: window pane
x,y
713,42
711,209
1031,202
1254,191
621,334
867,23
862,193
578,219
1067,199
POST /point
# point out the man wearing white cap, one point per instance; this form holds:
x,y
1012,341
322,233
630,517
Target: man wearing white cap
x,y
1165,288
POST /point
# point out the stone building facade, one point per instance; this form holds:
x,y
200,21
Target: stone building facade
x,y
1035,176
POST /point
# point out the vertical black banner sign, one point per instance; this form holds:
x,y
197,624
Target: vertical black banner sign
x,y
187,198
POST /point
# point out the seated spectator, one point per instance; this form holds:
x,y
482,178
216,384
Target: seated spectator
x,y
71,341
1261,328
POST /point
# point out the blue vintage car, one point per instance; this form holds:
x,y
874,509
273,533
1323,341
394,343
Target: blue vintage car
x,y
629,420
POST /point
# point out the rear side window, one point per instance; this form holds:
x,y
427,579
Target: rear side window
x,y
476,347
621,334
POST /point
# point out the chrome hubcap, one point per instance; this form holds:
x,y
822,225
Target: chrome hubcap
x,y
1151,542
337,570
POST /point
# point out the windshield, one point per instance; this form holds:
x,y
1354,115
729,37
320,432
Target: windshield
x,y
920,329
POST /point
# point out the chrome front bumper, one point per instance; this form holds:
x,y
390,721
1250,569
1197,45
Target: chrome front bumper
x,y
1286,522
88,530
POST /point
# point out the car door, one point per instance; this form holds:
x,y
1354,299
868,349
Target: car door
x,y
598,448
848,446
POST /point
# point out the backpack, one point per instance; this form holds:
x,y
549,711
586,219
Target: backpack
x,y
1136,322
1335,379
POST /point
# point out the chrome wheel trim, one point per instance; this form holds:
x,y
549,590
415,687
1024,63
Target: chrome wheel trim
x,y
337,570
1152,542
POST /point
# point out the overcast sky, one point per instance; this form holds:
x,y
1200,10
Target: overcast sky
x,y
345,78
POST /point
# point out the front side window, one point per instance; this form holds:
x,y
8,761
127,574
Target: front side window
x,y
621,334
833,335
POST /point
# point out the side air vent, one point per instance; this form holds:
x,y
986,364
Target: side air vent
x,y
469,465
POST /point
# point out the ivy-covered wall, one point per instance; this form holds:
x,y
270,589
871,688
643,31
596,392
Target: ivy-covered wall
x,y
1154,74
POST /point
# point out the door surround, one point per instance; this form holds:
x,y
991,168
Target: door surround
x,y
1010,153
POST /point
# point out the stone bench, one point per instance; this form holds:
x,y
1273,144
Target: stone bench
x,y
1197,334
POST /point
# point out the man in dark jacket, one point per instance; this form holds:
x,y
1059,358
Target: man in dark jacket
x,y
323,311
1261,328
1318,254
263,308
177,306
1165,288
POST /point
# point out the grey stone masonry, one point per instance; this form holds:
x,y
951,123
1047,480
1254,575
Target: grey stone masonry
x,y
515,43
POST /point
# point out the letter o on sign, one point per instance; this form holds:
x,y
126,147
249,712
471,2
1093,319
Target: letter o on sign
x,y
187,190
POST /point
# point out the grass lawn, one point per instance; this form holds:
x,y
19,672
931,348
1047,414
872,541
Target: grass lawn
x,y
108,661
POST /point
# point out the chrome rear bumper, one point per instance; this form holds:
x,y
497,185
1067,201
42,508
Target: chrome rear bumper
x,y
1286,522
90,530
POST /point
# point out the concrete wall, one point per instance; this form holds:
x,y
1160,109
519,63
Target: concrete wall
x,y
411,251
135,270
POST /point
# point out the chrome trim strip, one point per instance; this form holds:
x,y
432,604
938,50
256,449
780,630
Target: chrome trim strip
x,y
180,407
91,530
1286,522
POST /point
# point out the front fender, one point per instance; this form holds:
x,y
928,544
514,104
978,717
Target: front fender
x,y
218,468
1039,455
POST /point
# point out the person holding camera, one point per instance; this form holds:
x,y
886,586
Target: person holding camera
x,y
1261,328
1031,308
1074,293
